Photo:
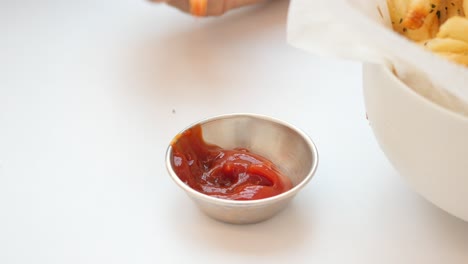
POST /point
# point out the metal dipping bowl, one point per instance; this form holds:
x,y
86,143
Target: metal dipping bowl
x,y
290,149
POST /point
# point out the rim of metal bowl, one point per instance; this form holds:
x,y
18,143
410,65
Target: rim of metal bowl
x,y
272,199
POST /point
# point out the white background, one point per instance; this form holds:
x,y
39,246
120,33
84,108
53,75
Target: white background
x,y
91,93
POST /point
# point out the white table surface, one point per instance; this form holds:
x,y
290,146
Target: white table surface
x,y
91,93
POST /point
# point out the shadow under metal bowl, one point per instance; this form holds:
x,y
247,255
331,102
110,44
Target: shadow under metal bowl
x,y
290,149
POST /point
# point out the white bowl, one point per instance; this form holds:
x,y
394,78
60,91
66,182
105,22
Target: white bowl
x,y
427,144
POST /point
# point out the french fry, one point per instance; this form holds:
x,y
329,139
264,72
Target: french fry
x,y
455,28
415,19
443,11
465,7
450,8
441,26
455,8
418,12
428,30
446,45
397,10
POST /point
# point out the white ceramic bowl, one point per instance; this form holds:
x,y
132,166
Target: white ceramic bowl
x,y
427,144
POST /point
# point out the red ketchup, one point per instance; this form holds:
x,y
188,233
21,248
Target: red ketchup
x,y
235,174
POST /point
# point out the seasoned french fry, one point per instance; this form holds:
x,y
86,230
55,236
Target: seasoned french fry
x,y
465,7
415,19
449,8
419,20
443,11
418,11
427,31
397,10
455,8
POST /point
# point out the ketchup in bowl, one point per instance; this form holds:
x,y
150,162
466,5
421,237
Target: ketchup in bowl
x,y
234,174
